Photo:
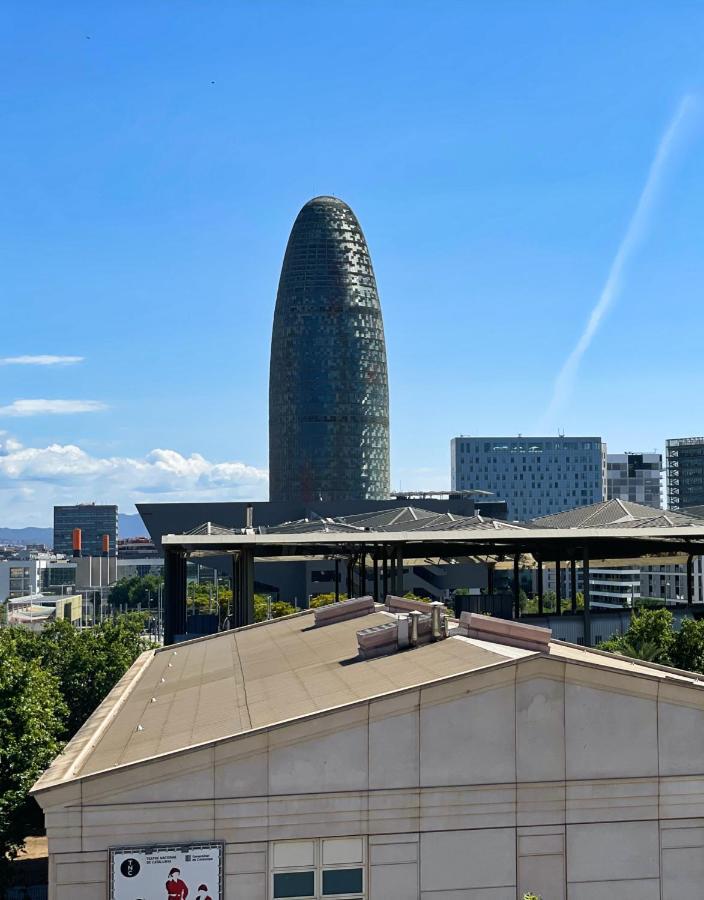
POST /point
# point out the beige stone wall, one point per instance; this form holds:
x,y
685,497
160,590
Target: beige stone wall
x,y
547,776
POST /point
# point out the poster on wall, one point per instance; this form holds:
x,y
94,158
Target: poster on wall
x,y
173,872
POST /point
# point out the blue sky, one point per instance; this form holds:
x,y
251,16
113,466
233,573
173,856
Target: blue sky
x,y
155,154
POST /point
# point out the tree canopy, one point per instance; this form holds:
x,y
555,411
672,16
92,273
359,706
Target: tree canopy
x,y
651,636
49,684
135,591
32,716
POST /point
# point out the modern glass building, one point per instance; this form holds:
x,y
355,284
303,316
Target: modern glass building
x,y
536,476
94,522
328,381
685,472
635,477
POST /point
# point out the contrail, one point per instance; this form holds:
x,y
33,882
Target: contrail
x,y
633,236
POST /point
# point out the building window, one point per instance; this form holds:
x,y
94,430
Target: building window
x,y
294,884
316,869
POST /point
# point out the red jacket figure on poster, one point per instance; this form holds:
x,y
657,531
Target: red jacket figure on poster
x,y
175,888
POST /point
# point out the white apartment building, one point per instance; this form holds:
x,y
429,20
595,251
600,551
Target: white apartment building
x,y
309,759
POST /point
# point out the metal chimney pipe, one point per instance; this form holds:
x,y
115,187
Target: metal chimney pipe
x,y
435,622
250,517
76,542
414,615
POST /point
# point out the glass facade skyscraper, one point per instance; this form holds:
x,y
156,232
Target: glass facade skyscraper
x,y
328,381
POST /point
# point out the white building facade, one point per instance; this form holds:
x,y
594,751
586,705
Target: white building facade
x,y
479,767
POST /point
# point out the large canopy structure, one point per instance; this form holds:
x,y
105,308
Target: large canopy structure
x,y
604,534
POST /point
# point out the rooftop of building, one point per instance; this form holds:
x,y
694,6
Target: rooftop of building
x,y
618,513
222,686
326,200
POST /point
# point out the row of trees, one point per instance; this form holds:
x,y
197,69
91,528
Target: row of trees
x,y
49,684
137,593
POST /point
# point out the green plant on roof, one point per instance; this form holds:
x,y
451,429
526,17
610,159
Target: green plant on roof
x,y
532,897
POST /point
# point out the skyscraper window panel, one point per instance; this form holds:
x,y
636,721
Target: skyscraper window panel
x,y
328,381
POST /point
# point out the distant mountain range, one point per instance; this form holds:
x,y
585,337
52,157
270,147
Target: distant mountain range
x,y
129,526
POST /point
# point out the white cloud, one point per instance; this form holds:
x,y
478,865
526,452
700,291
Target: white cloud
x,y
41,360
51,407
33,479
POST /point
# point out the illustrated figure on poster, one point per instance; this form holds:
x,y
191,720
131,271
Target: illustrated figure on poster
x,y
175,888
203,893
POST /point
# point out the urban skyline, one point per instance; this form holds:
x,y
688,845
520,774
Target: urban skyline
x,y
161,244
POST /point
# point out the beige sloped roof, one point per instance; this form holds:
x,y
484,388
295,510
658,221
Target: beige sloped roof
x,y
237,681
230,683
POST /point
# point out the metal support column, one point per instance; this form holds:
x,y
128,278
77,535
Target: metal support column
x,y
490,571
398,588
558,588
690,580
541,593
573,585
385,573
376,574
516,587
337,581
585,591
243,589
350,564
174,595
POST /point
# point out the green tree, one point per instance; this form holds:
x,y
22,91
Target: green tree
x,y
549,600
281,608
278,608
566,604
32,715
527,604
687,650
90,662
650,636
135,591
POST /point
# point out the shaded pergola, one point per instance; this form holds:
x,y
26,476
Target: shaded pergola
x,y
381,544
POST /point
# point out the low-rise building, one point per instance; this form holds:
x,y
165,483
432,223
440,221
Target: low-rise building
x,y
36,611
353,753
33,572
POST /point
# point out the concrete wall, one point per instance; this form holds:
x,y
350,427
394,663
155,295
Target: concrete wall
x,y
571,781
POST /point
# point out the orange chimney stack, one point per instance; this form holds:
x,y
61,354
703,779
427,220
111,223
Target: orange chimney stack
x,y
106,545
76,541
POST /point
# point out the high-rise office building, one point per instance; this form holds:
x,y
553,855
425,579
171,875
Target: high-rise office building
x,y
93,520
685,472
536,476
328,382
635,477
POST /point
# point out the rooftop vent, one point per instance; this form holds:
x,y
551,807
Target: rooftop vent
x,y
403,604
505,631
345,609
405,630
